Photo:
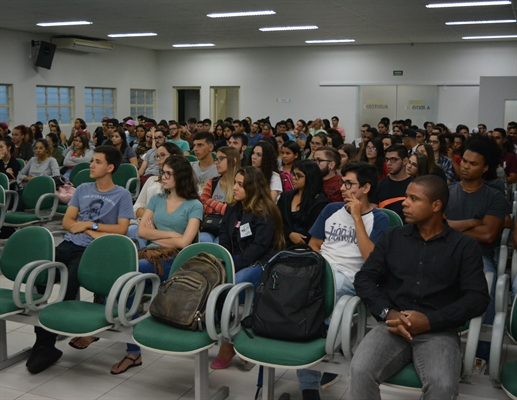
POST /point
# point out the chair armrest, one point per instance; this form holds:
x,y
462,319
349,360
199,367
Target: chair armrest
x,y
503,259
114,295
34,305
42,198
471,345
489,276
514,265
230,328
15,195
333,341
135,286
21,277
3,210
211,305
505,236
502,291
347,324
496,346
137,189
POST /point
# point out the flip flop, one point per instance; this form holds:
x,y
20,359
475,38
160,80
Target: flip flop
x,y
72,344
134,364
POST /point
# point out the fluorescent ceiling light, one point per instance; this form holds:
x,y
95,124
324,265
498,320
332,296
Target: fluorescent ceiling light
x,y
496,21
330,41
194,45
241,14
64,23
117,35
288,28
470,4
490,37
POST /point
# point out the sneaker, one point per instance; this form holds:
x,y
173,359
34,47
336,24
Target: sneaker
x,y
479,366
311,394
328,379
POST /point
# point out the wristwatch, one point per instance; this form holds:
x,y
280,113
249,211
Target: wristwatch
x,y
384,313
95,226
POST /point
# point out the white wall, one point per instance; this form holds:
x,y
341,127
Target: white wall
x,y
123,68
320,81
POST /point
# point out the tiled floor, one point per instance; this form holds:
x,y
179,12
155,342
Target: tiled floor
x,y
84,374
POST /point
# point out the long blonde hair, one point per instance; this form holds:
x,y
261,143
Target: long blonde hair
x,y
233,160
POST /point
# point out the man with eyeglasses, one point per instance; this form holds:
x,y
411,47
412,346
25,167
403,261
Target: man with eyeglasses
x,y
204,168
345,234
328,159
391,191
176,138
149,165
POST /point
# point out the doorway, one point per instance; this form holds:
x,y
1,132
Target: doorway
x,y
187,103
224,102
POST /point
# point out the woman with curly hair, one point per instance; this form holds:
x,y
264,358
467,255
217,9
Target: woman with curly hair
x,y
374,154
264,157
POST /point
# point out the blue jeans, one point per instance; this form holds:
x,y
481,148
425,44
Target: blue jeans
x,y
205,237
483,350
310,379
249,274
145,267
436,356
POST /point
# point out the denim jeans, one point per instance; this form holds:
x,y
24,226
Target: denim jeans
x,y
310,379
205,237
436,356
483,350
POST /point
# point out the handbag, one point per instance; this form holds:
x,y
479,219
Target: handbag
x,y
156,255
65,191
212,224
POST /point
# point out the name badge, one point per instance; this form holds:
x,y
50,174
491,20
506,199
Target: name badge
x,y
245,230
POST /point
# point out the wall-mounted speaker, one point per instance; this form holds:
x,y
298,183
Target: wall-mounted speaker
x,y
45,55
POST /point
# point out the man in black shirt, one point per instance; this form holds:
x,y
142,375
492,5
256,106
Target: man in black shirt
x,y
422,281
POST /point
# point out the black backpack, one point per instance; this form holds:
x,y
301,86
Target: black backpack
x,y
289,300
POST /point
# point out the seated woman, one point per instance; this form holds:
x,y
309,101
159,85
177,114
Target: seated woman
x,y
9,165
119,140
218,192
55,151
171,221
228,131
300,207
290,152
263,156
347,152
41,164
81,153
79,125
22,149
252,231
374,155
317,141
54,128
151,187
431,167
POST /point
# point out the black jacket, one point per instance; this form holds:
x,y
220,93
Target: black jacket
x,y
258,247
284,203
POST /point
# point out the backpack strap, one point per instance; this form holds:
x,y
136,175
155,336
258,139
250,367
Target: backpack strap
x,y
385,203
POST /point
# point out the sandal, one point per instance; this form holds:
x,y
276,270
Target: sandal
x,y
134,363
72,343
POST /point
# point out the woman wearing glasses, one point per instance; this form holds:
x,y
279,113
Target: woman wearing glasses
x,y
218,191
171,221
151,187
437,142
300,207
374,155
252,232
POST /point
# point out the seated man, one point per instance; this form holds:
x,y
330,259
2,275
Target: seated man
x,y
204,168
240,142
96,209
345,234
328,159
422,282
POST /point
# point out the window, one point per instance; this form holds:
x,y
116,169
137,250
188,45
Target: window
x,y
99,103
54,103
5,103
142,102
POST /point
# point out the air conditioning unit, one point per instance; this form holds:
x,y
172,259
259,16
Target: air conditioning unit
x,y
84,45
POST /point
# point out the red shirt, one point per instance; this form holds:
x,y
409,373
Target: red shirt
x,y
332,188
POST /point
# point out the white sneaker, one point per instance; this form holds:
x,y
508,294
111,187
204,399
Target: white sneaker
x,y
479,366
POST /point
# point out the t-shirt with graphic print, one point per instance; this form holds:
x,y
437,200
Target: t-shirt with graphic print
x,y
336,227
100,207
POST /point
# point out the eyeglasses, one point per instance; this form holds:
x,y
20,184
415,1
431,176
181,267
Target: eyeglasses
x,y
111,126
392,159
159,137
434,141
320,160
149,137
348,184
220,159
166,174
298,176
372,148
161,155
413,164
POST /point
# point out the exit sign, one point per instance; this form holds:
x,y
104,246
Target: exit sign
x,y
398,73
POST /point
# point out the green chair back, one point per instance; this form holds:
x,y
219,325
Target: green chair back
x,y
82,177
247,152
395,219
191,158
512,322
192,152
124,173
4,181
212,248
329,289
2,195
104,261
214,155
77,168
33,243
21,162
37,187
